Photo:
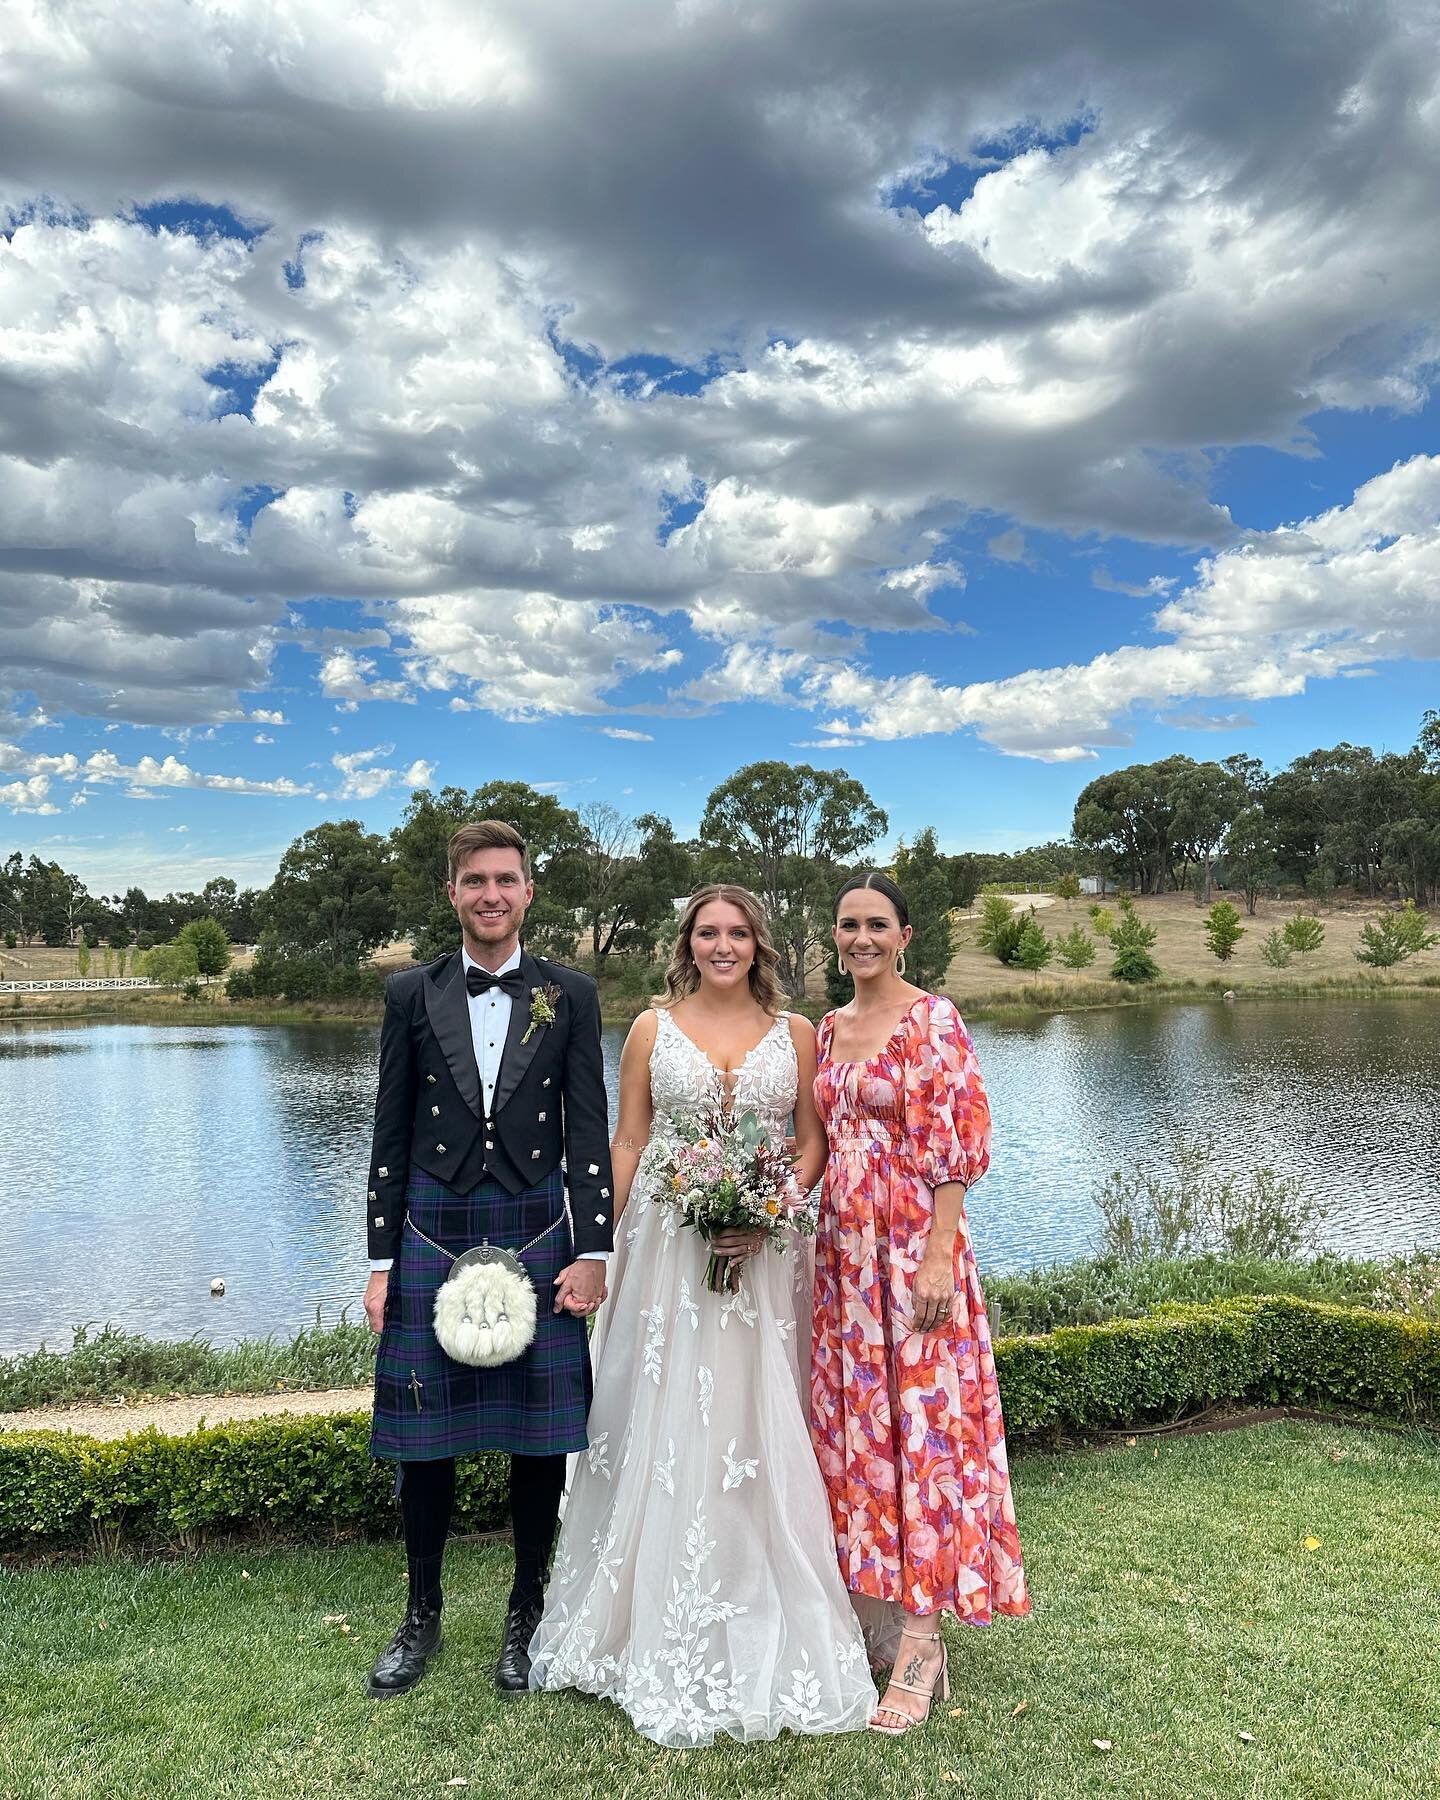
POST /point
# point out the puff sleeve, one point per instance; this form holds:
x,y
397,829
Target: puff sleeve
x,y
947,1116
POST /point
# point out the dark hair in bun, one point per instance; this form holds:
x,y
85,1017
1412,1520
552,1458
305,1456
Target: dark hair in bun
x,y
882,884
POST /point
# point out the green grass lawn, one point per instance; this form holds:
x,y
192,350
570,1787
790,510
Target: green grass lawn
x,y
1176,1606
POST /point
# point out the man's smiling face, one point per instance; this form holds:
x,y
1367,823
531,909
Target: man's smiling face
x,y
490,895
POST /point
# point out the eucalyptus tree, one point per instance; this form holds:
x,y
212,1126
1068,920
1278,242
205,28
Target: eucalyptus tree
x,y
786,831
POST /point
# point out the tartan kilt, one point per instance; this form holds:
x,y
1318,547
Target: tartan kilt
x,y
534,1406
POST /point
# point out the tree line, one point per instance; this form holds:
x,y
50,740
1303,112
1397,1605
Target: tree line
x,y
608,883
1339,818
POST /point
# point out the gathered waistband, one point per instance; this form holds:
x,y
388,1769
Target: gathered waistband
x,y
868,1137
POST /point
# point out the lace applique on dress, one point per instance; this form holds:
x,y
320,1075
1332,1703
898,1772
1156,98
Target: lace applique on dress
x,y
663,1598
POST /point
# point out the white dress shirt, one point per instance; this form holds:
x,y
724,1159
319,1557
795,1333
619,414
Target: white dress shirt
x,y
489,1025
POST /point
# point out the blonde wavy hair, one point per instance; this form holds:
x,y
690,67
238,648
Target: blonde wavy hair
x,y
683,977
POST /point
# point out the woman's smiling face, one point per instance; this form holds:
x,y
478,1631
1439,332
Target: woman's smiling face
x,y
868,933
722,944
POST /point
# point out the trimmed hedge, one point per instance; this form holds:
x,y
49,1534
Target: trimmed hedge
x,y
309,1476
1269,1350
302,1477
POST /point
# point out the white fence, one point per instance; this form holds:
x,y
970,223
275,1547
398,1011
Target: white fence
x,y
80,983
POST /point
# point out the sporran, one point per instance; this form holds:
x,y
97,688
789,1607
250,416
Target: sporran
x,y
486,1307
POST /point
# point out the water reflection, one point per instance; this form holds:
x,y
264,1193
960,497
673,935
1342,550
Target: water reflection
x,y
137,1161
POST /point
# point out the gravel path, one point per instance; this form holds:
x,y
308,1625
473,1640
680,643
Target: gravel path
x,y
178,1416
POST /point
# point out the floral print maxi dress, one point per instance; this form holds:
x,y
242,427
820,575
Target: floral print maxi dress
x,y
907,1425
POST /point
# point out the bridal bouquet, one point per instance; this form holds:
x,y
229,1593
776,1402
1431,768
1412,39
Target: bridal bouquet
x,y
725,1174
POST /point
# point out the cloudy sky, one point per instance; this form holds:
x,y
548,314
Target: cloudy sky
x,y
973,397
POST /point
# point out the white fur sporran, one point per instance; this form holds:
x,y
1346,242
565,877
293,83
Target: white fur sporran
x,y
485,1309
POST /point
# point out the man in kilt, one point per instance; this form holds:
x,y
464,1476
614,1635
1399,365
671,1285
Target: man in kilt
x,y
490,1075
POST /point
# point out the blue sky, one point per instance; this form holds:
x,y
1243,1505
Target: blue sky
x,y
973,422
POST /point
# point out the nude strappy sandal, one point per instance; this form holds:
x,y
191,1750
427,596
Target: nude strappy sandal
x,y
940,1686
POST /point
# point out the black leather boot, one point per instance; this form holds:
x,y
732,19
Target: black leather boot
x,y
403,1660
512,1672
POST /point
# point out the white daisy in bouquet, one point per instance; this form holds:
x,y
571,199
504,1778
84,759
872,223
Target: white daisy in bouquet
x,y
726,1173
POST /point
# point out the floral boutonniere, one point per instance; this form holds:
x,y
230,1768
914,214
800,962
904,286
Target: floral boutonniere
x,y
542,1008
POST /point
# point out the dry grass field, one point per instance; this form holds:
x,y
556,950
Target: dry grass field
x,y
1182,951
975,979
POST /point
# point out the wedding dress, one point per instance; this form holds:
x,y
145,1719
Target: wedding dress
x,y
695,1579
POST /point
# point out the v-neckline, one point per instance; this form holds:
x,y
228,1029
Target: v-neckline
x,y
705,1056
863,1062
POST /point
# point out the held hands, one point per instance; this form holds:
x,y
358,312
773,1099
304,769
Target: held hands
x,y
580,1288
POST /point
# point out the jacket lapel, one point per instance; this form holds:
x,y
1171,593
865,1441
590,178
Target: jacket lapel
x,y
447,1005
517,1055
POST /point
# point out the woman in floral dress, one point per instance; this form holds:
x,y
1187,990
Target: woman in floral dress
x,y
905,1410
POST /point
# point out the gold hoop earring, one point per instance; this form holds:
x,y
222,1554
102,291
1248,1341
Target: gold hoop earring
x,y
900,963
841,964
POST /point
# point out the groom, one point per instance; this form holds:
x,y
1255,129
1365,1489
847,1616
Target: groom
x,y
490,1073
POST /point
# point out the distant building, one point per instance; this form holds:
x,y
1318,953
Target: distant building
x,y
1093,884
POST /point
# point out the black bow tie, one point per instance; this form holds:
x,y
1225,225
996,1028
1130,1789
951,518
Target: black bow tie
x,y
480,981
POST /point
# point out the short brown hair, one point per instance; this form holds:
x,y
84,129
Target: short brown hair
x,y
486,834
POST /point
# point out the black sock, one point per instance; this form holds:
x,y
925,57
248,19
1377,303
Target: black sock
x,y
427,1498
536,1484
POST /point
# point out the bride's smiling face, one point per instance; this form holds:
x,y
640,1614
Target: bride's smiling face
x,y
722,944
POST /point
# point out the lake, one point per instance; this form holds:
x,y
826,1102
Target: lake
x,y
138,1161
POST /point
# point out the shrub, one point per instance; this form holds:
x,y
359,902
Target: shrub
x,y
303,1476
111,1363
1396,937
1006,942
309,1477
1275,951
1102,919
208,939
1411,1285
1111,1287
1304,933
1199,1210
996,912
1223,929
638,979
1032,948
1264,1350
1131,940
1068,886
1075,949
170,965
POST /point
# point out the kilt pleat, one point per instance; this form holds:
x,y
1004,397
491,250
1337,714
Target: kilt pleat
x,y
429,1406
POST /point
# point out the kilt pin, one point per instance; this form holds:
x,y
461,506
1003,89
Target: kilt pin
x,y
426,1404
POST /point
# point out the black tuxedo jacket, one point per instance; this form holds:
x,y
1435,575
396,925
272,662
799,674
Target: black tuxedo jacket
x,y
549,1101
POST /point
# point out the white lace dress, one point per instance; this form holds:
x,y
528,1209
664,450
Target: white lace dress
x,y
695,1579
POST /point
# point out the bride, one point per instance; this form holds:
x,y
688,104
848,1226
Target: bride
x,y
695,1581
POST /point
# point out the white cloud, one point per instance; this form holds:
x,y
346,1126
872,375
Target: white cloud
x,y
364,778
625,736
29,796
370,400
1331,596
349,679
145,779
527,656
262,737
1156,588
922,579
